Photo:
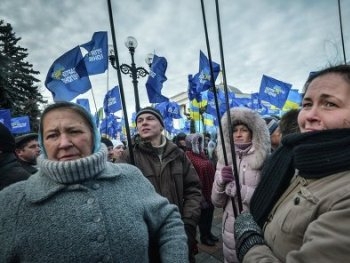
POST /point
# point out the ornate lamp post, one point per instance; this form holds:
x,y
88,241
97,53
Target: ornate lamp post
x,y
131,70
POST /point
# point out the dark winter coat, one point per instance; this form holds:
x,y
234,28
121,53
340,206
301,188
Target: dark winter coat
x,y
11,170
173,176
28,166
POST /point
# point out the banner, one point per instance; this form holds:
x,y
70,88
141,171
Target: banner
x,y
5,118
20,125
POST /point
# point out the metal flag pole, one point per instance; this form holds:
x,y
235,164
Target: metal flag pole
x,y
93,98
216,100
341,31
117,67
233,154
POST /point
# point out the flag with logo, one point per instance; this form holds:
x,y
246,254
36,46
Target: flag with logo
x,y
274,91
96,59
67,77
204,76
112,102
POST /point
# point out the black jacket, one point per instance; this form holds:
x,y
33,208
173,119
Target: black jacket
x,y
28,166
11,171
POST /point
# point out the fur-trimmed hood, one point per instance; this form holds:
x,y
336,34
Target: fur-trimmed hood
x,y
260,139
195,142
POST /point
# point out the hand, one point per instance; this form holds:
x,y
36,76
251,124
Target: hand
x,y
231,189
226,174
247,234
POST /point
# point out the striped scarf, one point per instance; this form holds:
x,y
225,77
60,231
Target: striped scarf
x,y
314,154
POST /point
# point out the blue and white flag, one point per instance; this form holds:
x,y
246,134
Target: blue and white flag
x,y
274,91
67,77
96,60
5,118
20,125
111,102
155,80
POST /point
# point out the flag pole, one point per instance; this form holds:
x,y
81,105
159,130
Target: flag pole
x,y
117,67
233,154
341,31
93,98
216,99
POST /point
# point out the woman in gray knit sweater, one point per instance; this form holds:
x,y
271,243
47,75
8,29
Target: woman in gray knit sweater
x,y
80,208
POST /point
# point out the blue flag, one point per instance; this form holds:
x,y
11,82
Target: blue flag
x,y
168,124
111,102
110,127
155,80
67,77
274,91
5,118
84,103
204,76
20,125
162,107
96,60
192,88
174,110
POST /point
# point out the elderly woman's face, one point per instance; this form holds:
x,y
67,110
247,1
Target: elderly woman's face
x,y
66,135
326,104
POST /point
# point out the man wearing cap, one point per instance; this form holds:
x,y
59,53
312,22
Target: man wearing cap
x,y
274,130
27,151
169,170
109,146
11,170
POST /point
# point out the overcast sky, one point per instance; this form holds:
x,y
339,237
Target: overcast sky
x,y
282,39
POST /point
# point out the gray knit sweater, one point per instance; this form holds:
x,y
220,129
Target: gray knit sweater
x,y
87,210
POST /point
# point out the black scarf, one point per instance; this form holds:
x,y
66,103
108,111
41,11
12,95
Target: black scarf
x,y
314,154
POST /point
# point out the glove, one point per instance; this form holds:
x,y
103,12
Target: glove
x,y
247,234
226,175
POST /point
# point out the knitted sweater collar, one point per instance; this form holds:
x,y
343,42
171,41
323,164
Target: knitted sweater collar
x,y
69,172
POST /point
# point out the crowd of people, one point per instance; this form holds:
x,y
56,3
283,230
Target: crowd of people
x,y
69,195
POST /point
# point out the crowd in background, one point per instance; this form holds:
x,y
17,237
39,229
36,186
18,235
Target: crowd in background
x,y
282,183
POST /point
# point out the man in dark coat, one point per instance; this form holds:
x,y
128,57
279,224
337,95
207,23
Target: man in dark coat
x,y
11,170
171,173
27,151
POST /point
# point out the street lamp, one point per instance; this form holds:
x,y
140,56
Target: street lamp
x,y
131,70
